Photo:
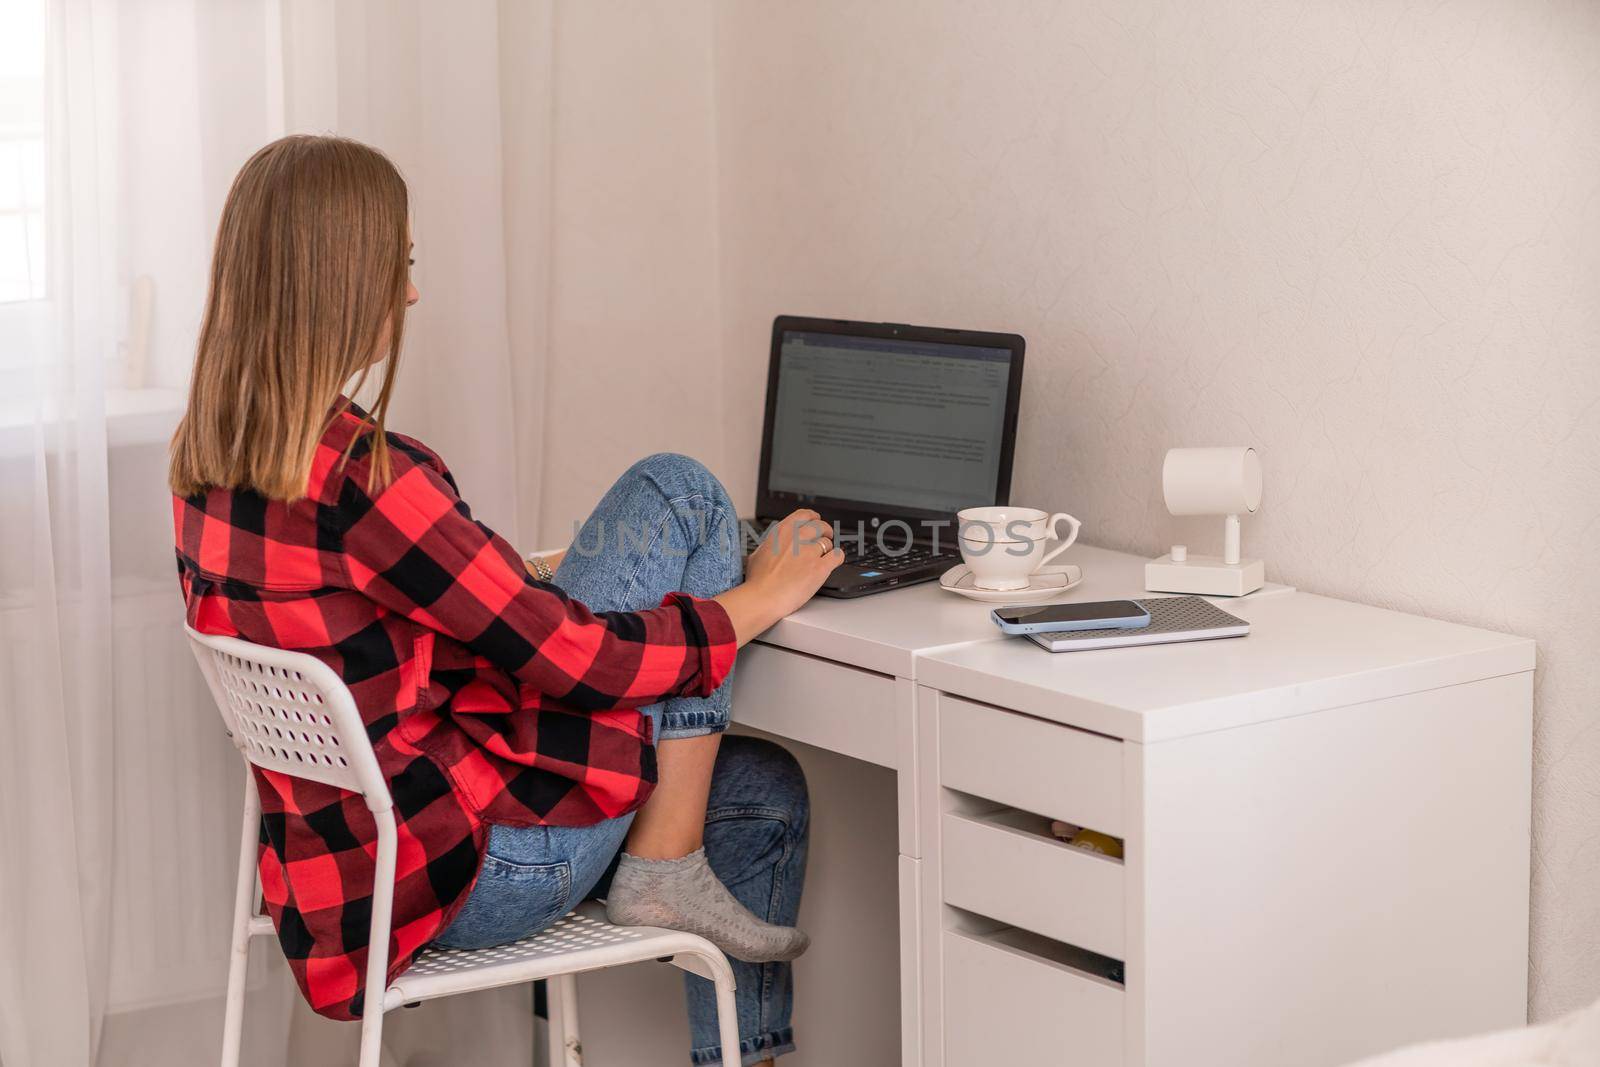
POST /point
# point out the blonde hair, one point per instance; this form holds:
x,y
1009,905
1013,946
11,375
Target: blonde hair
x,y
310,269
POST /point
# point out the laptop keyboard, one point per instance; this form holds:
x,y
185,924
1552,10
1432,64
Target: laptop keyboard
x,y
872,558
916,557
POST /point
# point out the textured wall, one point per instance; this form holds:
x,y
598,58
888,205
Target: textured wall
x,y
631,334
1363,236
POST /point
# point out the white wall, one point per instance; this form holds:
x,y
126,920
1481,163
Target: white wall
x,y
1364,237
632,311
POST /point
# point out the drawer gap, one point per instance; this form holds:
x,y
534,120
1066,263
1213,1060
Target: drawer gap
x,y
1017,821
1054,723
865,672
1035,947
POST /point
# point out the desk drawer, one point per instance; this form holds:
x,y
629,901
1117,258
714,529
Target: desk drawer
x,y
1038,766
816,701
1005,865
1005,1004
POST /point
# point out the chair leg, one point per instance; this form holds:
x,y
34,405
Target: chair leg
x,y
554,1046
714,967
372,1035
564,1047
728,1020
244,904
721,974
378,937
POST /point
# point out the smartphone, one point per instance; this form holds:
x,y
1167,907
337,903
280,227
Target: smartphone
x,y
1049,618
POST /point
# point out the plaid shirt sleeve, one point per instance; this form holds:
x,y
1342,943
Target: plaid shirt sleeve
x,y
414,548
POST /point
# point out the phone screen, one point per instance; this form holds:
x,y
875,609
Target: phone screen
x,y
1044,613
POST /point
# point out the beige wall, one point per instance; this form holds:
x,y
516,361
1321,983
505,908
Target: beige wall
x,y
1362,236
632,313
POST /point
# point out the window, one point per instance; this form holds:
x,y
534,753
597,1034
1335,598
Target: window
x,y
22,151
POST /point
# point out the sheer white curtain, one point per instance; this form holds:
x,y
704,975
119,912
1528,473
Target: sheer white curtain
x,y
121,125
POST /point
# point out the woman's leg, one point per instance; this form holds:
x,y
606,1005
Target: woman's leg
x,y
756,833
757,830
531,876
667,525
672,822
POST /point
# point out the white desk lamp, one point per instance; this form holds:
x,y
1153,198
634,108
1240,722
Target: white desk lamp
x,y
1209,481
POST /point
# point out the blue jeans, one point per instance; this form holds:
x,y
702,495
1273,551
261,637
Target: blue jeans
x,y
666,525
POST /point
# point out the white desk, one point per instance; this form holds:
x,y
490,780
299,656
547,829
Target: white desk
x,y
1326,824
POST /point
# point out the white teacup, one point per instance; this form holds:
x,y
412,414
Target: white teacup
x,y
1004,546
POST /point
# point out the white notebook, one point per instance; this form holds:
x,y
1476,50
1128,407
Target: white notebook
x,y
1172,619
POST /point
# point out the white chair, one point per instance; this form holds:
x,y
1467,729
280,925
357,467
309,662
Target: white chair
x,y
289,712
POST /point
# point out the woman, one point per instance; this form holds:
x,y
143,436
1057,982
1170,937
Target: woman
x,y
530,725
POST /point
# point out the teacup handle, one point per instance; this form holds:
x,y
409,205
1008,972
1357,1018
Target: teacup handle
x,y
1066,542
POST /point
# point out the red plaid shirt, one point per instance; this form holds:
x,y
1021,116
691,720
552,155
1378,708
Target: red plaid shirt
x,y
489,697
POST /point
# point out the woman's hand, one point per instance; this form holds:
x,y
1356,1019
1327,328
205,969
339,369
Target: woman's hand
x,y
792,560
784,571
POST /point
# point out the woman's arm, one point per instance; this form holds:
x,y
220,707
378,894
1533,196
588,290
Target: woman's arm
x,y
415,548
785,570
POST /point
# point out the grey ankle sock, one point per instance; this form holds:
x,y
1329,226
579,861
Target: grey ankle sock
x,y
686,894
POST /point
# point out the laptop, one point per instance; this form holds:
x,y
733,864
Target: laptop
x,y
887,430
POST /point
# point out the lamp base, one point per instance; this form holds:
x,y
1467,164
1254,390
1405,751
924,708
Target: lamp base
x,y
1204,576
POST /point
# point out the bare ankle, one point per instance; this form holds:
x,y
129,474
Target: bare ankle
x,y
671,824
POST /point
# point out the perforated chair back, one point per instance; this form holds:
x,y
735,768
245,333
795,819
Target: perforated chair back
x,y
289,712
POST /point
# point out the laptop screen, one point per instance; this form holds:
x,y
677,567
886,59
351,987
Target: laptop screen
x,y
897,424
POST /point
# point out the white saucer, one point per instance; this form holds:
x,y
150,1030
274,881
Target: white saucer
x,y
1048,581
